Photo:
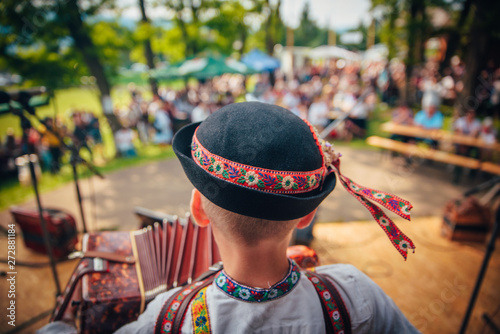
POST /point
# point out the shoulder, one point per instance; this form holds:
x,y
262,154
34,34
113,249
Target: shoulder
x,y
370,309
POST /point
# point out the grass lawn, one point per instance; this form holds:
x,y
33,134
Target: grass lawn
x,y
11,192
62,106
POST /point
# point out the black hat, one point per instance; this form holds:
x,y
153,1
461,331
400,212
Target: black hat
x,y
256,159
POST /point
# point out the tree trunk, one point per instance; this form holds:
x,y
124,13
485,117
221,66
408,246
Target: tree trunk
x,y
269,30
454,38
391,42
413,25
474,58
148,51
83,43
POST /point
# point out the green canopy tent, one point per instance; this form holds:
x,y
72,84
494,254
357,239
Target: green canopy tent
x,y
126,76
203,68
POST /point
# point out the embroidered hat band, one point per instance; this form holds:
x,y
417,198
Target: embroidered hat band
x,y
279,182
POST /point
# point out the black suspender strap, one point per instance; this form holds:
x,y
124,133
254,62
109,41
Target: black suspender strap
x,y
334,311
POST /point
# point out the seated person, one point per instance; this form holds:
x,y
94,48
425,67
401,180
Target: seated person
x,y
429,118
488,135
467,125
403,116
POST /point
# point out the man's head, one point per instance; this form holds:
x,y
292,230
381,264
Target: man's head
x,y
256,160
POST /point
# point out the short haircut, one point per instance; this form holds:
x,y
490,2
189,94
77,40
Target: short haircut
x,y
248,230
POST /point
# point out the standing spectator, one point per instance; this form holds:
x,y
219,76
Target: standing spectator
x,y
124,139
163,127
143,123
318,113
200,112
94,131
80,135
53,144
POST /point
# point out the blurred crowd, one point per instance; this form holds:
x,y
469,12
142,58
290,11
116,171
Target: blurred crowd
x,y
50,140
320,93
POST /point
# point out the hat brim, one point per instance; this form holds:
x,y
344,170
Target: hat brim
x,y
243,200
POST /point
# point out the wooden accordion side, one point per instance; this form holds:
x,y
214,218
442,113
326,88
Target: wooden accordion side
x,y
114,293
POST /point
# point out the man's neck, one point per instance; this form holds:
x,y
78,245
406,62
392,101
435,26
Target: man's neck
x,y
259,266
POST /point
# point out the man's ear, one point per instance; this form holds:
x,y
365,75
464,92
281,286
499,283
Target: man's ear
x,y
197,211
306,220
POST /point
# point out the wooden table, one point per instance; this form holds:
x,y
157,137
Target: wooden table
x,y
436,134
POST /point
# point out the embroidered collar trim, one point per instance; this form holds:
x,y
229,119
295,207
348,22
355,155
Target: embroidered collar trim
x,y
248,294
274,181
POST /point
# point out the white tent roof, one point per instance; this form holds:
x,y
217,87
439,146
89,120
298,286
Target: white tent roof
x,y
331,51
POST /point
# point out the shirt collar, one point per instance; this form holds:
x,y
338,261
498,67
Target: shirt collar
x,y
245,293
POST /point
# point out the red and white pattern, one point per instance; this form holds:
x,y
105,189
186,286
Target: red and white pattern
x,y
279,182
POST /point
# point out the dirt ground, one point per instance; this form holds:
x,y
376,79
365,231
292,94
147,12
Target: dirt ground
x,y
432,287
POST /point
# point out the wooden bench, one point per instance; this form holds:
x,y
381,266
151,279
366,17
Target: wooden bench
x,y
490,167
413,150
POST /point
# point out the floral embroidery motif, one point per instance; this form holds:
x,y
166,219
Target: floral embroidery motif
x,y
248,294
170,314
330,304
399,240
288,182
199,313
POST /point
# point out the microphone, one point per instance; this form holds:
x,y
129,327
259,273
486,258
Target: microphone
x,y
22,97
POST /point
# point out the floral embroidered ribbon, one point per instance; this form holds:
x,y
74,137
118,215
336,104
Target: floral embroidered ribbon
x,y
393,203
279,182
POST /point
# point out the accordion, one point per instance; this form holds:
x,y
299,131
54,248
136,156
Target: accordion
x,y
60,225
121,272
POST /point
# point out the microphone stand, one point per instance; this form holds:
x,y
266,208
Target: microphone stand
x,y
26,126
74,160
489,251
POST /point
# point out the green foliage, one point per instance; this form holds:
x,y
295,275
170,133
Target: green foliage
x,y
113,43
308,33
36,43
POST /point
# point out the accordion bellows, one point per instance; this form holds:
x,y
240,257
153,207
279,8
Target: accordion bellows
x,y
167,255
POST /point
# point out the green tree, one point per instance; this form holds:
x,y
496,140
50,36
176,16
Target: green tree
x,y
148,51
308,33
50,33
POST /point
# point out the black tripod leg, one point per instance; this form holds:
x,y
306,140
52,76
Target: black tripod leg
x,y
78,194
489,251
46,237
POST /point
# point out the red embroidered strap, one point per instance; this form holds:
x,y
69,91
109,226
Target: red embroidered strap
x,y
280,182
199,313
336,316
397,205
172,314
169,320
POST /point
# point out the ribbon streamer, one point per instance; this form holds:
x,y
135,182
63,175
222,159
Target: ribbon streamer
x,y
401,207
